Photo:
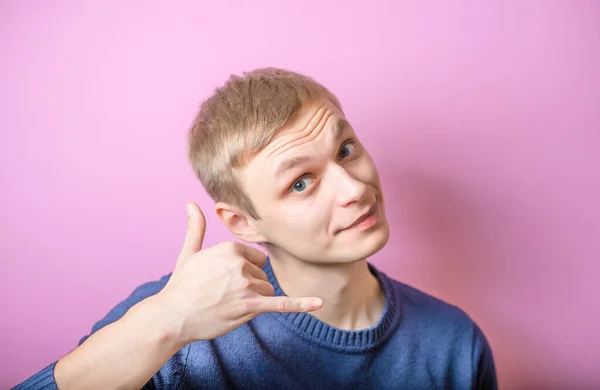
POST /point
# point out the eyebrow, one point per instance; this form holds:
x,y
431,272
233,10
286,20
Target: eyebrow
x,y
336,131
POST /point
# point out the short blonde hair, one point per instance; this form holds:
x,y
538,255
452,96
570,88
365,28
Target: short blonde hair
x,y
239,120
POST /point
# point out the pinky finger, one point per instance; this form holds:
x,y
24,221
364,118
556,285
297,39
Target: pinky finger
x,y
283,304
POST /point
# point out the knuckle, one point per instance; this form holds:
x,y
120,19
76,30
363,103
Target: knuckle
x,y
244,284
241,262
250,305
283,305
235,247
236,265
228,246
240,265
270,290
192,230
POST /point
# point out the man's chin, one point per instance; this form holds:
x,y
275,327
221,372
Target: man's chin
x,y
362,249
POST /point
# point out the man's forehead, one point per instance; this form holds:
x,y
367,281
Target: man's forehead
x,y
278,156
285,163
312,114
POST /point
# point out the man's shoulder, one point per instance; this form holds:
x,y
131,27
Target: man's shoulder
x,y
445,333
437,324
431,310
140,293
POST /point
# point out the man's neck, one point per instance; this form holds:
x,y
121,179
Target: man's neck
x,y
352,296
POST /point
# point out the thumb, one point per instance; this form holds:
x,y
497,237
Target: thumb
x,y
195,231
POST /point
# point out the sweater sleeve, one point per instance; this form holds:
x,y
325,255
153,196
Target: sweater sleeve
x,y
167,377
43,380
483,361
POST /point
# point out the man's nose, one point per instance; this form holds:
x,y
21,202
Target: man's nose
x,y
347,189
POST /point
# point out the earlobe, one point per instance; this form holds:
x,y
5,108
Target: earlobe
x,y
238,223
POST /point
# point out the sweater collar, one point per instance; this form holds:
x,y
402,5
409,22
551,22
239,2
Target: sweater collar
x,y
317,331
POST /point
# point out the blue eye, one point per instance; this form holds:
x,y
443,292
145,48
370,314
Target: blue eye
x,y
301,185
346,150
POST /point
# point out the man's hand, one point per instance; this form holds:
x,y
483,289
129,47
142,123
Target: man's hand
x,y
215,290
210,292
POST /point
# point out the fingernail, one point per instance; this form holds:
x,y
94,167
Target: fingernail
x,y
189,210
316,302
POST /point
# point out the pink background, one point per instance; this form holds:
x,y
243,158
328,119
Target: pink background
x,y
483,118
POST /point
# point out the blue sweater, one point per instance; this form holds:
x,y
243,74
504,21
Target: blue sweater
x,y
419,342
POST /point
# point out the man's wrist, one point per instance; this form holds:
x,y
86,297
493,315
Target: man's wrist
x,y
158,321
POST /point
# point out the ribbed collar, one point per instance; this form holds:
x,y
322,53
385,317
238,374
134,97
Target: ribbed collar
x,y
357,341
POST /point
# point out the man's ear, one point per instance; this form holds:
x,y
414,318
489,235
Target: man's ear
x,y
238,222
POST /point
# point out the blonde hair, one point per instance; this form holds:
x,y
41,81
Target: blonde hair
x,y
239,120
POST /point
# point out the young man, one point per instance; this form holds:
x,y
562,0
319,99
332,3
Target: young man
x,y
287,171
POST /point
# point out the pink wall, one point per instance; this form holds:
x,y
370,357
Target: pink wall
x,y
483,119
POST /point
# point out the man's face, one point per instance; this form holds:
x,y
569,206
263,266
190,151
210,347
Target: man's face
x,y
317,190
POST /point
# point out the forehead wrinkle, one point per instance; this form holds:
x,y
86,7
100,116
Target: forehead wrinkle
x,y
310,135
334,134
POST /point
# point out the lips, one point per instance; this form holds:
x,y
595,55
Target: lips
x,y
366,215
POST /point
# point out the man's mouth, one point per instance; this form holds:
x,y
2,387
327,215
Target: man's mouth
x,y
369,213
